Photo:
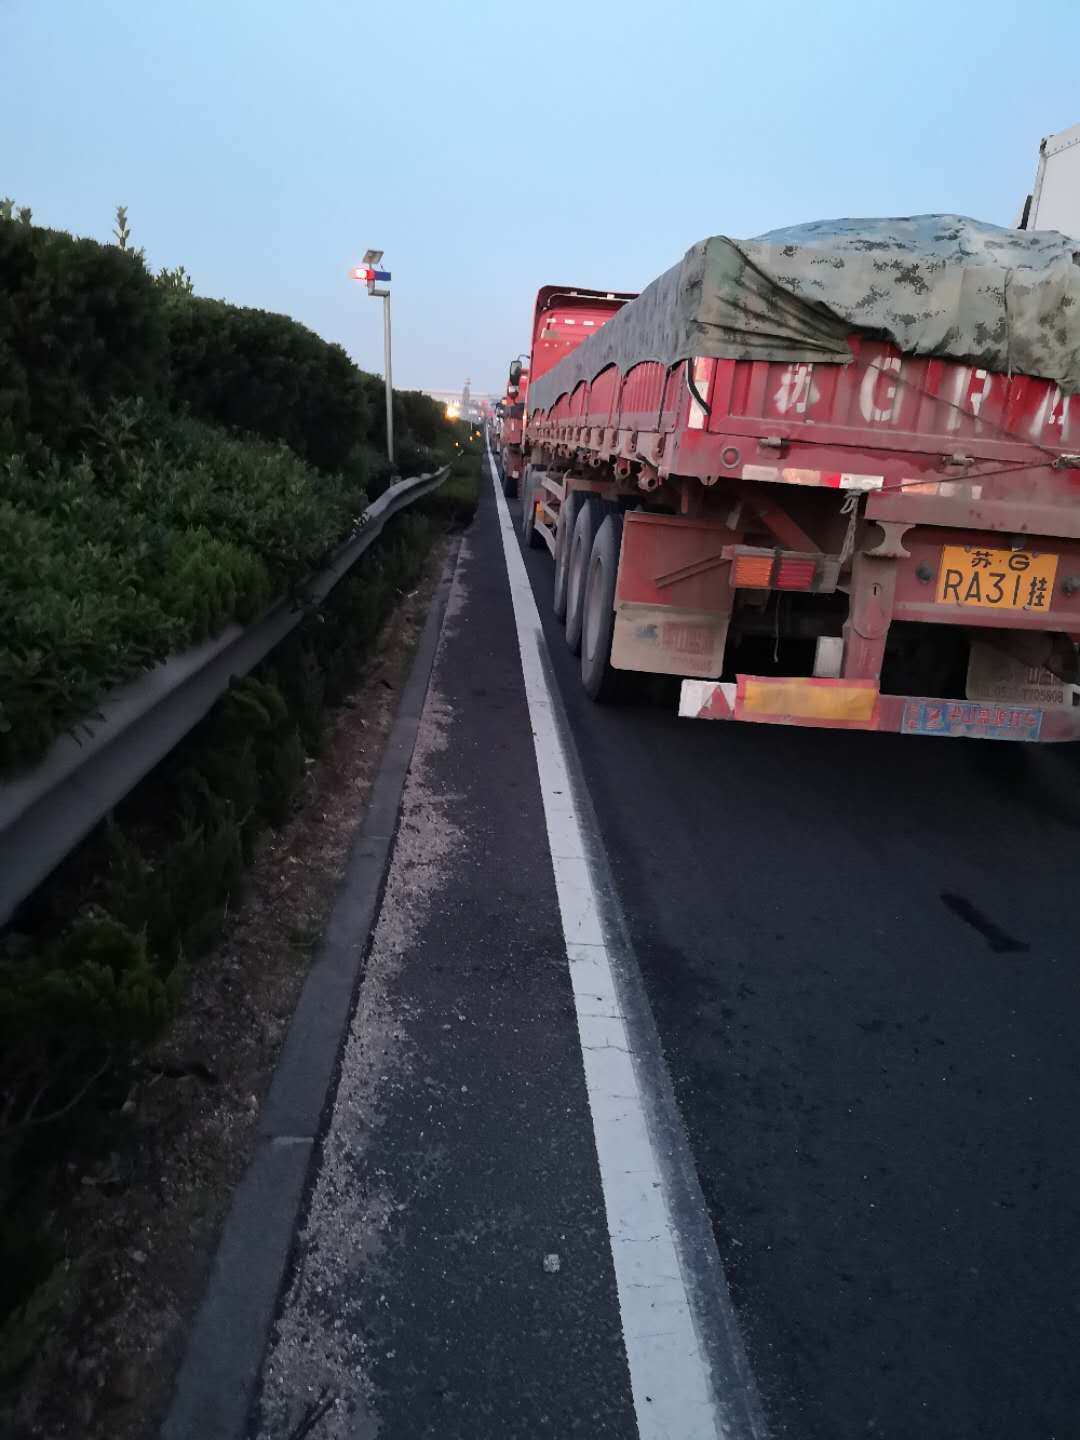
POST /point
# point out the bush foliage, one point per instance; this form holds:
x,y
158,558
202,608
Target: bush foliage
x,y
81,325
158,535
267,375
168,464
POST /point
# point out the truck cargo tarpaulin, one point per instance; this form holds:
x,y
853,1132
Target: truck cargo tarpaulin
x,y
936,285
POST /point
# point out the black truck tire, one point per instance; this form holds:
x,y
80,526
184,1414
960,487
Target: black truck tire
x,y
587,522
564,535
529,538
601,682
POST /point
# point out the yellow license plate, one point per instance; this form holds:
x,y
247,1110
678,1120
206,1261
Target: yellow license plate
x,y
996,579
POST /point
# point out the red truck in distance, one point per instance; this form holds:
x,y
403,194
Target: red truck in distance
x,y
562,319
511,416
824,478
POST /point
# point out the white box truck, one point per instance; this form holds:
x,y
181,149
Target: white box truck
x,y
1054,202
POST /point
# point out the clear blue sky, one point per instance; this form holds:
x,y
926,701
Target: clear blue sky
x,y
491,148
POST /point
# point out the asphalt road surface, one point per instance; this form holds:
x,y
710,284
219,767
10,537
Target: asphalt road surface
x,y
859,955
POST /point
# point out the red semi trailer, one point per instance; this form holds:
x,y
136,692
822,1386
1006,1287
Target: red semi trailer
x,y
830,477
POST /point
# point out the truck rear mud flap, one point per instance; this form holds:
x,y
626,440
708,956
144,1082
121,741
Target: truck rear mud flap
x,y
858,705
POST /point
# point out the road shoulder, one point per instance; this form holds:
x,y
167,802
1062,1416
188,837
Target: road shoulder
x,y
453,1276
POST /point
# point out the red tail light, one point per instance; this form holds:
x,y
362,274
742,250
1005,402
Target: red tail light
x,y
773,570
795,573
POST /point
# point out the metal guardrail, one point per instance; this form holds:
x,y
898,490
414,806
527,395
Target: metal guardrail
x,y
47,811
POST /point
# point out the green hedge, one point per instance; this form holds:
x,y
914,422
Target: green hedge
x,y
81,324
84,324
168,464
156,537
267,375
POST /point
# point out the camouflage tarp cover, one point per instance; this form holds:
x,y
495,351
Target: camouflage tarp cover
x,y
1006,300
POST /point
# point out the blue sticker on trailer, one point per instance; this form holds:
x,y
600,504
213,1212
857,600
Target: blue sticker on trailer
x,y
973,719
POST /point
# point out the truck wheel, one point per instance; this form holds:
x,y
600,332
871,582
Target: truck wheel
x,y
601,682
530,539
567,515
587,522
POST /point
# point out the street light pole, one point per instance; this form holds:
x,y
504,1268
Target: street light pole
x,y
389,379
367,272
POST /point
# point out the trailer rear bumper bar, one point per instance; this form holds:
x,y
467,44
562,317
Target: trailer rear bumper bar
x,y
858,705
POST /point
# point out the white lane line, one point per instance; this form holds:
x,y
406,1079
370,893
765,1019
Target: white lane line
x,y
669,1370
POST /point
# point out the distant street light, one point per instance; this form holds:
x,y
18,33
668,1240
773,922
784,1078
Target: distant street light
x,y
367,272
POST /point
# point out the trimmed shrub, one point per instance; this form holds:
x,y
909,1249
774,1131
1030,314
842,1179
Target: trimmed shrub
x,y
423,419
157,537
266,375
75,620
207,582
256,495
81,324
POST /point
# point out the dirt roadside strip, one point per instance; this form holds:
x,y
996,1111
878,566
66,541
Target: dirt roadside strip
x,y
217,1377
